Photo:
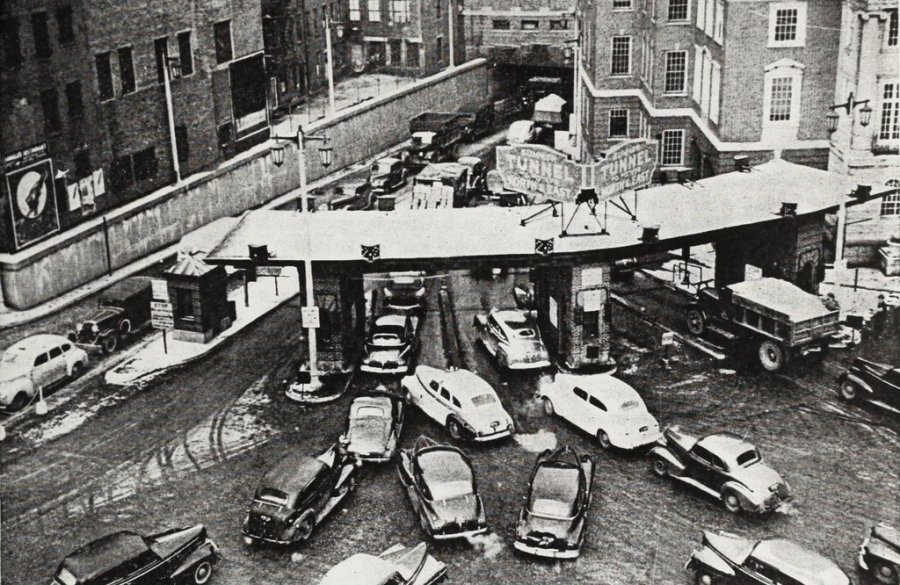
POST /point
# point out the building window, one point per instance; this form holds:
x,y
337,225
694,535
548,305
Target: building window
x,y
374,7
12,51
120,174
781,100
222,35
145,164
181,143
395,47
676,71
50,106
500,24
559,25
621,56
621,4
618,123
355,13
126,70
719,26
530,25
82,162
185,53
104,77
64,24
41,35
74,100
890,205
439,49
437,8
413,51
400,12
787,24
678,10
889,114
672,148
891,36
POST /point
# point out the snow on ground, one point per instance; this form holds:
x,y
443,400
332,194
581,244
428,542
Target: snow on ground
x,y
536,442
64,422
489,545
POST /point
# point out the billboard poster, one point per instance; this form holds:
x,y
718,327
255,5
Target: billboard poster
x,y
249,86
31,192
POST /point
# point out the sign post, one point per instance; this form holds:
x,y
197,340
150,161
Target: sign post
x,y
162,315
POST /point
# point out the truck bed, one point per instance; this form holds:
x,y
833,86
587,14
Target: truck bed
x,y
435,122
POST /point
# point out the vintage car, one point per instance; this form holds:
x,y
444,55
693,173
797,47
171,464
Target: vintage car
x,y
182,555
391,345
405,291
123,309
726,558
553,521
522,132
296,494
879,554
388,174
352,196
459,400
724,466
397,565
512,336
35,363
374,426
440,484
871,381
603,406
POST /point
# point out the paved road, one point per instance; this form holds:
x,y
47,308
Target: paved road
x,y
190,447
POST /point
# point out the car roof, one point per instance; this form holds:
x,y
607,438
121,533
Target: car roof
x,y
104,554
442,462
465,384
293,473
606,386
521,124
127,288
795,561
395,320
360,569
382,401
725,444
388,160
469,161
37,343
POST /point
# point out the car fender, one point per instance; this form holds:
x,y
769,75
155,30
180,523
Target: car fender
x,y
748,497
882,551
480,321
851,377
676,467
205,552
710,560
21,384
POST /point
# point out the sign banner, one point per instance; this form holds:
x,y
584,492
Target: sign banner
x,y
160,289
31,190
309,317
546,173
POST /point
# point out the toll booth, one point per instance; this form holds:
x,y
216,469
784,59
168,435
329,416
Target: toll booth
x,y
199,297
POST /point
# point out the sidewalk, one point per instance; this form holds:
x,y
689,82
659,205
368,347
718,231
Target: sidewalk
x,y
155,357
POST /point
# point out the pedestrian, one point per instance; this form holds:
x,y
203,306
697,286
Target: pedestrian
x,y
879,317
831,303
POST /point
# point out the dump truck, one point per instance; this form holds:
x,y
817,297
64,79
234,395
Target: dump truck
x,y
776,318
441,185
435,138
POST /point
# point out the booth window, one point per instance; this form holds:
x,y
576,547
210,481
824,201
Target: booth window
x,y
184,303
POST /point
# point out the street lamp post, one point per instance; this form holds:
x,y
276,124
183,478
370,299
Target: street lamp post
x,y
170,115
339,29
326,156
450,30
574,45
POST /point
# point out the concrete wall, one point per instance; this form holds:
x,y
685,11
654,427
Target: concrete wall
x,y
162,218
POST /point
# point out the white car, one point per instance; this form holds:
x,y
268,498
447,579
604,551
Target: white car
x,y
459,400
405,291
397,565
603,406
512,336
34,363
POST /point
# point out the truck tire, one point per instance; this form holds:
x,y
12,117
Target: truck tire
x,y
772,356
849,391
125,328
696,322
109,343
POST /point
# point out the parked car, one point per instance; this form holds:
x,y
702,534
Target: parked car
x,y
724,466
296,494
374,426
459,400
405,291
879,554
352,196
553,521
397,565
182,555
726,558
512,336
391,345
522,132
388,174
871,381
35,363
603,406
123,309
441,487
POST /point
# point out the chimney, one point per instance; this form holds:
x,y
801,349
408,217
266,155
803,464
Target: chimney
x,y
650,234
742,163
788,209
259,253
862,192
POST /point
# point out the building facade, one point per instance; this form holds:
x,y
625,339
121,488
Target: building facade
x,y
84,109
710,79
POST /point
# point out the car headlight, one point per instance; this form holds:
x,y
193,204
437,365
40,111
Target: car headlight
x,y
78,326
94,328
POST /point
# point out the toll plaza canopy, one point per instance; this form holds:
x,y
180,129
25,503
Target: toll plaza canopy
x,y
685,214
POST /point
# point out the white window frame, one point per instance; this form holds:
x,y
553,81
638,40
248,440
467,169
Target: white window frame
x,y
715,92
701,13
782,129
400,16
718,32
355,12
662,146
892,17
887,142
374,15
627,124
800,39
686,19
698,73
612,42
890,205
684,82
622,8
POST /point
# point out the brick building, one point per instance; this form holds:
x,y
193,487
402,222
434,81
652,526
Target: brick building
x,y
83,111
710,79
413,36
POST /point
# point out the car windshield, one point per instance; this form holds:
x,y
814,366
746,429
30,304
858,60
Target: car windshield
x,y
748,457
522,328
273,496
630,405
65,577
369,412
554,491
484,399
451,489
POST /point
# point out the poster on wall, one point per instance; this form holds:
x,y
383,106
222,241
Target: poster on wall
x,y
31,192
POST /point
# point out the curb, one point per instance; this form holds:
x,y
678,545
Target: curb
x,y
330,397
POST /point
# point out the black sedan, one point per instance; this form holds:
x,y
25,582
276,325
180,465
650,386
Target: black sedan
x,y
297,494
877,383
725,558
554,519
879,554
182,555
440,483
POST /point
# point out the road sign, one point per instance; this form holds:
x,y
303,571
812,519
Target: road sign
x,y
310,317
162,322
268,271
160,307
668,338
161,315
160,289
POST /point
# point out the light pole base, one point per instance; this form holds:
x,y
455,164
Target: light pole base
x,y
313,392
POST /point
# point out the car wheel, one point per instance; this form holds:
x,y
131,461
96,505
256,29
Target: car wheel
x,y
885,573
696,324
125,328
732,501
305,529
109,343
454,429
548,407
77,370
772,356
603,439
202,573
849,391
19,402
659,467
